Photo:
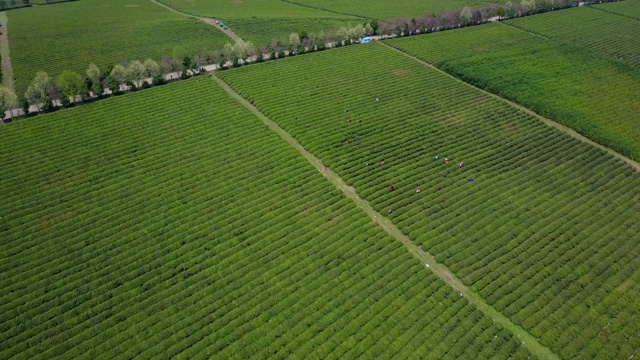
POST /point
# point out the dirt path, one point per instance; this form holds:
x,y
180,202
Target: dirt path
x,y
7,70
634,164
209,21
426,258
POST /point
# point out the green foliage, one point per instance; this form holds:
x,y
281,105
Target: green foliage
x,y
549,230
72,35
72,84
144,226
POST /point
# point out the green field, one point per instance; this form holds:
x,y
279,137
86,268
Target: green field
x,y
70,36
147,226
549,230
554,80
384,10
629,8
604,34
260,21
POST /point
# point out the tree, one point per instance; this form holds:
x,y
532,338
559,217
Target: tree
x,y
166,65
136,72
294,42
93,73
37,91
368,30
341,35
465,16
359,31
8,101
227,53
72,84
250,50
374,25
151,68
119,75
239,52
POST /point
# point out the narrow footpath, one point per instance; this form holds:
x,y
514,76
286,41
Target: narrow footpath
x,y
426,258
7,71
564,129
209,21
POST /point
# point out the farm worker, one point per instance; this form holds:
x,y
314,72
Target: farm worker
x,y
377,98
366,164
381,163
252,101
435,158
446,160
360,121
461,165
234,103
417,190
325,168
349,120
389,210
443,200
440,187
471,180
346,111
307,126
392,188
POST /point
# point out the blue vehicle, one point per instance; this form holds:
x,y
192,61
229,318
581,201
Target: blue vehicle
x,y
365,40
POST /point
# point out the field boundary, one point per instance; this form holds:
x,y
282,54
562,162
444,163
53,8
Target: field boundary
x,y
390,228
611,12
206,20
323,9
565,129
7,70
523,30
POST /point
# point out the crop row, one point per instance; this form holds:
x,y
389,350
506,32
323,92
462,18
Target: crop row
x,y
606,34
533,194
126,232
506,61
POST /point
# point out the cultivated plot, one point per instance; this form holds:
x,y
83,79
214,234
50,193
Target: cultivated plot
x,y
383,10
605,34
629,8
556,81
172,223
72,35
543,226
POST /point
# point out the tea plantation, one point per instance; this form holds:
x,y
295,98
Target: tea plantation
x,y
70,36
383,10
546,228
145,226
555,80
611,35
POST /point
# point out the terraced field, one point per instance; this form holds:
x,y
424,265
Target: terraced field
x,y
72,35
260,21
556,81
145,226
605,34
543,226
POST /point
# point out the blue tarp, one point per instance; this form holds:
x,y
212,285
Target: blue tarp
x,y
365,40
